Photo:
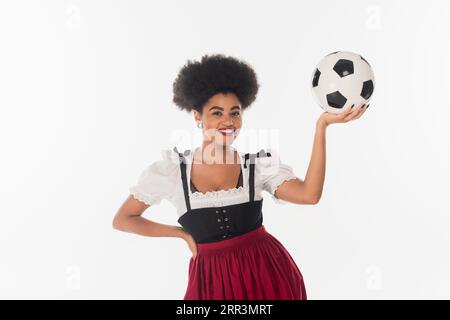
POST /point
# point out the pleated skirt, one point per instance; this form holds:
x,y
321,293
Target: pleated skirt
x,y
252,266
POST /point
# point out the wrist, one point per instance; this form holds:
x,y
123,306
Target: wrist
x,y
321,123
180,233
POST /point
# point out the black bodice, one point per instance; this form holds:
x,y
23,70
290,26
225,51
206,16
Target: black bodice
x,y
213,224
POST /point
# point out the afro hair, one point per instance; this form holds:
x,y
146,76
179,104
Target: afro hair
x,y
197,82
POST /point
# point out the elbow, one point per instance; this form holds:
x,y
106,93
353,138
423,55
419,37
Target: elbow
x,y
117,224
314,200
307,201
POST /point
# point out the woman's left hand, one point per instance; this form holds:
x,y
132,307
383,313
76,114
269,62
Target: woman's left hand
x,y
351,113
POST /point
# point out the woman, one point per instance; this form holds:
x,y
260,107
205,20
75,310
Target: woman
x,y
217,190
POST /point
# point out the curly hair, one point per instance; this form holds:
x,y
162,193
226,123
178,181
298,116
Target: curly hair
x,y
197,82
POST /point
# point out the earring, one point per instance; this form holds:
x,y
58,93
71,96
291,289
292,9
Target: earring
x,y
199,124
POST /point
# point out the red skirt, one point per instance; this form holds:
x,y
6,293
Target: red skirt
x,y
252,266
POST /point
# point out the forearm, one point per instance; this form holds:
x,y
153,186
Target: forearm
x,y
140,225
315,174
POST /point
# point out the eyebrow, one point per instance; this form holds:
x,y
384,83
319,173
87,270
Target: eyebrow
x,y
220,108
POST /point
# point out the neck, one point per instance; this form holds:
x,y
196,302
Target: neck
x,y
211,153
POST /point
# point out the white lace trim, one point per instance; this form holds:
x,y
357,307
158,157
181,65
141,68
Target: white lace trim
x,y
219,198
279,184
143,197
197,195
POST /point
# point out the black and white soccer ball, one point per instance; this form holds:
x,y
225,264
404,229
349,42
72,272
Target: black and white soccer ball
x,y
342,79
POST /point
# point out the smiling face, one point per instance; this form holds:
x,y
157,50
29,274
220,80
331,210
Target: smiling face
x,y
221,112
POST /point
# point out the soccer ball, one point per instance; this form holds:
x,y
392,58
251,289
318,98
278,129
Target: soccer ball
x,y
342,79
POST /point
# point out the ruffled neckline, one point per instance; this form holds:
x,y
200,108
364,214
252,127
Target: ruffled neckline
x,y
223,193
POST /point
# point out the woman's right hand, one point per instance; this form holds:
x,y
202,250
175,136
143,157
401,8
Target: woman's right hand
x,y
191,243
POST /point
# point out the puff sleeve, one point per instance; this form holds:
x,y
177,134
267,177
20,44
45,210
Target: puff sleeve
x,y
272,173
158,180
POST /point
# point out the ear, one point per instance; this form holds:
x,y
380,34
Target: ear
x,y
197,116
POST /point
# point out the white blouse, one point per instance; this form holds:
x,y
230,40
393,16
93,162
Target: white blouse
x,y
162,180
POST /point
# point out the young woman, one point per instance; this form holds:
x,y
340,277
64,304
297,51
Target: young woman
x,y
217,190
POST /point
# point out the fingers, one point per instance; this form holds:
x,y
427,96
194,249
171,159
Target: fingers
x,y
363,109
345,116
346,112
356,113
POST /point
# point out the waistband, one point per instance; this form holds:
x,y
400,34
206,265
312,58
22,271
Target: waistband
x,y
241,241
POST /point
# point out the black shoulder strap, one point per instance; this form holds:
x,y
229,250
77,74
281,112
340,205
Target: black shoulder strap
x,y
248,156
251,157
182,159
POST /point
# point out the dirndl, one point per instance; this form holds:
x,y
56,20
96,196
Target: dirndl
x,y
251,266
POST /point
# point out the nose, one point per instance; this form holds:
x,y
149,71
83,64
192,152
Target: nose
x,y
228,122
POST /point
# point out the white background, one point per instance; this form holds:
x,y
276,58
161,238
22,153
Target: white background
x,y
86,104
